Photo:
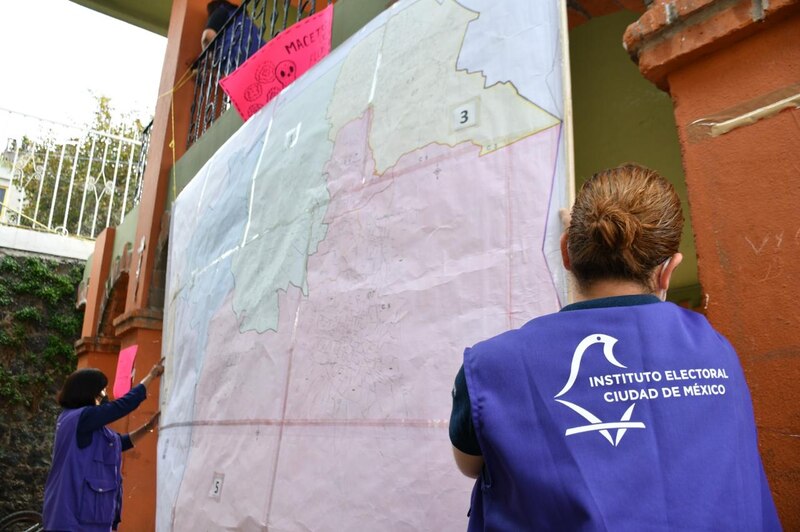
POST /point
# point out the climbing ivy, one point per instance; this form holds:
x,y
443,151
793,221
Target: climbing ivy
x,y
39,325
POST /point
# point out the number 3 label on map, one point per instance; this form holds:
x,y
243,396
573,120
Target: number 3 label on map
x,y
465,115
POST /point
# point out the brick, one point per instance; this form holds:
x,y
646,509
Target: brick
x,y
691,41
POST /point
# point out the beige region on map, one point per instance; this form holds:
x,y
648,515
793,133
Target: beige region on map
x,y
413,107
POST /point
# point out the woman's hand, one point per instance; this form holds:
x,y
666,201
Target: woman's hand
x,y
158,369
155,372
151,424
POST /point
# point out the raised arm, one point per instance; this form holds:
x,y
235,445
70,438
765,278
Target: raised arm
x,y
95,417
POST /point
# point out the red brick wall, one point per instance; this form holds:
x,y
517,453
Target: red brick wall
x,y
744,192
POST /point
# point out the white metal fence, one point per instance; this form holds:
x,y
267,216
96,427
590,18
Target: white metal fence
x,y
65,179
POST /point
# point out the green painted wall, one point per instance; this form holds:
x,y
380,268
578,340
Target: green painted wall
x,y
201,151
349,16
621,117
125,235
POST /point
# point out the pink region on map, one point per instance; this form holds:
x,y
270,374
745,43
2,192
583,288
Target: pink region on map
x,y
353,390
441,251
235,430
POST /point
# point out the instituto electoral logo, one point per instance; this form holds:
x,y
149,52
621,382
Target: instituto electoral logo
x,y
595,423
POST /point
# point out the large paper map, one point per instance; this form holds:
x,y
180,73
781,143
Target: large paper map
x,y
330,263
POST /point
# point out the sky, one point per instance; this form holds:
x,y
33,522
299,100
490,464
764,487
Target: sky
x,y
56,54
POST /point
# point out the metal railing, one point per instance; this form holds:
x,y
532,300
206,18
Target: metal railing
x,y
251,26
141,163
24,521
68,180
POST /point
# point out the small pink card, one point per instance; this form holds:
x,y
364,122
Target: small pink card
x,y
283,59
122,381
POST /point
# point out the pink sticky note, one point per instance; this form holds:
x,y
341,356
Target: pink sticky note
x,y
122,382
279,62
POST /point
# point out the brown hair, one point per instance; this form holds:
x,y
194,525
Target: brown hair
x,y
625,222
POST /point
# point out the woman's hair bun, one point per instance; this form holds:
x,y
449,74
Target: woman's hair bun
x,y
625,221
612,227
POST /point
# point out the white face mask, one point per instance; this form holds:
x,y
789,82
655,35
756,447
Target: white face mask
x,y
662,294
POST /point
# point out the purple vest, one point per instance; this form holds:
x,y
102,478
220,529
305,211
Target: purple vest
x,y
621,418
83,484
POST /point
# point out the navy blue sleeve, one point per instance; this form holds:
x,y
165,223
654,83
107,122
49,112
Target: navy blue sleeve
x,y
126,442
95,417
462,430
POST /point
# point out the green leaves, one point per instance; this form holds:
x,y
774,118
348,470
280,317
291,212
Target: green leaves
x,y
38,328
10,387
28,314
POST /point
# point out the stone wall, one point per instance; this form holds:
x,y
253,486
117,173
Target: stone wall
x,y
39,325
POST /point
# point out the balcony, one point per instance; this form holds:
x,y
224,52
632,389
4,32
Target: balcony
x,y
212,119
252,25
64,180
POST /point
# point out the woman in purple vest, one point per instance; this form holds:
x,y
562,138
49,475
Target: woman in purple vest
x,y
621,411
84,488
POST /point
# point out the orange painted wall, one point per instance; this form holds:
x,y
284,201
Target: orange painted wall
x,y
101,266
141,325
139,463
187,21
744,192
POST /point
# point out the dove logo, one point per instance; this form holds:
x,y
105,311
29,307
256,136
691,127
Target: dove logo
x,y
595,423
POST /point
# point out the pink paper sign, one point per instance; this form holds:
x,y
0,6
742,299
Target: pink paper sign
x,y
279,62
122,381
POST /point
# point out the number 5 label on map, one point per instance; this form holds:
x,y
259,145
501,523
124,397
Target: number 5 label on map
x,y
216,486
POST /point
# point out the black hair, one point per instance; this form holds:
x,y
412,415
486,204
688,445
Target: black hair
x,y
81,388
214,4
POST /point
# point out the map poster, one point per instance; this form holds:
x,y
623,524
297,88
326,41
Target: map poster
x,y
330,263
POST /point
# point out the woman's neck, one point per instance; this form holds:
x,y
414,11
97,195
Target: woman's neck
x,y
610,288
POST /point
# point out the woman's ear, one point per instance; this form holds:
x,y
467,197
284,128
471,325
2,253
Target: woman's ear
x,y
565,251
665,272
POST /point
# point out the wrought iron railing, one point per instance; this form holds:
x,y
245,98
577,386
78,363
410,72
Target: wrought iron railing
x,y
144,138
251,26
25,521
68,180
